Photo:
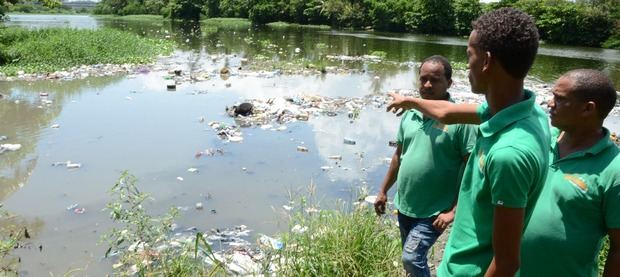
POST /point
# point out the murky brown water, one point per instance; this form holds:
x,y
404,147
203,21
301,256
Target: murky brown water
x,y
111,124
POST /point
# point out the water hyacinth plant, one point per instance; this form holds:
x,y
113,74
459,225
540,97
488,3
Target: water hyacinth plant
x,y
49,50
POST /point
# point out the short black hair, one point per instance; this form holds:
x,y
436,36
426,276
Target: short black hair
x,y
593,85
447,68
511,36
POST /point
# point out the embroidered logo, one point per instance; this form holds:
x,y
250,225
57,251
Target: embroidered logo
x,y
577,181
481,159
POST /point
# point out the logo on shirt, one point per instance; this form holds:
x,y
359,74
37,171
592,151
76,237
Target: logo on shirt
x,y
481,159
576,181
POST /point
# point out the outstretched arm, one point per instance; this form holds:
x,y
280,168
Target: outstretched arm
x,y
444,111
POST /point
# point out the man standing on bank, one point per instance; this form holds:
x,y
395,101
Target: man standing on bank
x,y
426,166
504,177
580,202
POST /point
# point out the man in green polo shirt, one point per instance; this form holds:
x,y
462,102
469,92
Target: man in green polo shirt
x,y
508,166
580,202
426,165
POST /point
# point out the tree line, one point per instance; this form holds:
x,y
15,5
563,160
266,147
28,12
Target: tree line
x,y
593,23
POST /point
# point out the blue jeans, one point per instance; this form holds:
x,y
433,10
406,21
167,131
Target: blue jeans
x,y
417,236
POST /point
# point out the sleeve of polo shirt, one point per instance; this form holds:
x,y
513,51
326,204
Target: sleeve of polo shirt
x,y
511,175
400,134
612,206
466,138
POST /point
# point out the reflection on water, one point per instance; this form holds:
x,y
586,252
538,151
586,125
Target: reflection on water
x,y
116,123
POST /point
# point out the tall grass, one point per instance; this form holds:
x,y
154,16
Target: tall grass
x,y
341,242
48,50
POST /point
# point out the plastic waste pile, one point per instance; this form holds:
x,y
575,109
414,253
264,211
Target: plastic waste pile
x,y
288,109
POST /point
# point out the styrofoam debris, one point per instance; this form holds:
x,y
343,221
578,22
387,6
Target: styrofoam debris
x,y
180,178
9,147
71,165
192,170
371,199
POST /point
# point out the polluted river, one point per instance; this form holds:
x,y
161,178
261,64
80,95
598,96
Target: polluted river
x,y
319,122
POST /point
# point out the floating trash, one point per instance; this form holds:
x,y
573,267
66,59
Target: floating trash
x,y
71,165
298,229
171,85
180,179
270,242
371,199
55,126
199,206
72,207
335,157
9,147
79,210
348,141
192,170
210,152
302,149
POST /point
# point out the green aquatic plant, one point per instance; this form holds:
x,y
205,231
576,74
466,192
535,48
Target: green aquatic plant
x,y
49,50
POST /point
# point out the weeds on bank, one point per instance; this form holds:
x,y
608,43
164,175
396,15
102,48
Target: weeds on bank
x,y
347,241
48,50
143,245
10,235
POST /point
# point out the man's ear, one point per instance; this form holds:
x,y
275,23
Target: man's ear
x,y
449,83
486,63
590,108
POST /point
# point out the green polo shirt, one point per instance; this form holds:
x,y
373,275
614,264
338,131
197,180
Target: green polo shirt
x,y
507,168
430,162
579,203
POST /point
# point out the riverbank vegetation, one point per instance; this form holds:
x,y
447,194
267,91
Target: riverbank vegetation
x,y
347,241
592,23
36,7
49,50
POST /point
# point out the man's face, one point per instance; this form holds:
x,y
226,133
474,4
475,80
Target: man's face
x,y
564,107
433,82
475,61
